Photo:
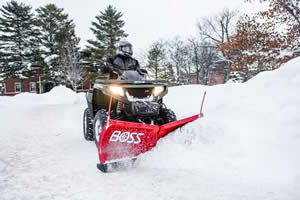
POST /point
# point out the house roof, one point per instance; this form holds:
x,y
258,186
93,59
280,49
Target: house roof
x,y
219,65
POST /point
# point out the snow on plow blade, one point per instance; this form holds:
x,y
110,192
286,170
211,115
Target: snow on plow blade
x,y
169,127
121,140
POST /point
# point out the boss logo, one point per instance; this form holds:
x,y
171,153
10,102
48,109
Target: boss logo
x,y
126,137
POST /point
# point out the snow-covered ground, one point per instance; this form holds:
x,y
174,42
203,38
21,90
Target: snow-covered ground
x,y
246,147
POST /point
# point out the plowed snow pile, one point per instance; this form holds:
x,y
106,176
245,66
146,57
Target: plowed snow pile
x,y
246,147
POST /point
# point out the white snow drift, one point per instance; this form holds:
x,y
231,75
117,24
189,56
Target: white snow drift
x,y
246,147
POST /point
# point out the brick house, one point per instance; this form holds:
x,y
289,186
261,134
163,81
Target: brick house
x,y
13,86
36,83
33,83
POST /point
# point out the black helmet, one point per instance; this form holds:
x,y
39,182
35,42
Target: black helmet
x,y
124,48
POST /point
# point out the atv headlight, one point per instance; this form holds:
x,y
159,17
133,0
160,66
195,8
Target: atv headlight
x,y
117,90
158,90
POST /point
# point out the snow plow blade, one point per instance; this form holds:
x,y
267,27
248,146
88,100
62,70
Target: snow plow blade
x,y
169,127
121,140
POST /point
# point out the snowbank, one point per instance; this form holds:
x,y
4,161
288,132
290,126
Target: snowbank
x,y
250,134
58,95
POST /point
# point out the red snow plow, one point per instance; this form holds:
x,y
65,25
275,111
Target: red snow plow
x,y
126,117
121,140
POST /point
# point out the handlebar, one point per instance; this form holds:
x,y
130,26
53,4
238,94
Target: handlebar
x,y
119,72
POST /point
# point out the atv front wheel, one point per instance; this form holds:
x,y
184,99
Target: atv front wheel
x,y
87,125
99,121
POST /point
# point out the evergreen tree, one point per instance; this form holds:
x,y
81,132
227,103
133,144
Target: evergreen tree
x,y
157,61
18,39
108,30
56,29
55,26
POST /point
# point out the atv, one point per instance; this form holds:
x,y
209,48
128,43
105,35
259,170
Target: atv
x,y
125,117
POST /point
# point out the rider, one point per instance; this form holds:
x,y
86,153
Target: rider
x,y
122,60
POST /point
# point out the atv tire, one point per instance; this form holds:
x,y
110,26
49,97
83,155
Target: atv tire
x,y
87,125
167,116
99,121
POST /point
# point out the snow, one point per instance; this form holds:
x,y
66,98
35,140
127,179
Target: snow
x,y
58,96
50,59
1,77
246,147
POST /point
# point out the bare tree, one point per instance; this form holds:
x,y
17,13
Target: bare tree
x,y
202,55
194,47
218,29
69,66
207,55
179,57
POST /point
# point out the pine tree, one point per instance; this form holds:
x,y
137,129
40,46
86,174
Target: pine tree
x,y
56,29
157,63
55,26
108,30
18,39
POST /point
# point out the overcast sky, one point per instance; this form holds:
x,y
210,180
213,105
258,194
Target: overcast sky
x,y
146,20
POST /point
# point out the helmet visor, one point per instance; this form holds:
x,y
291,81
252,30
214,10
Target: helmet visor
x,y
127,49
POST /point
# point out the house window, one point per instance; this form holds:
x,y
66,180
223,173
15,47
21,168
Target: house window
x,y
17,87
32,86
4,88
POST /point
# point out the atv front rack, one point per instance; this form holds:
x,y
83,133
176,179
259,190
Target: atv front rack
x,y
121,82
121,140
